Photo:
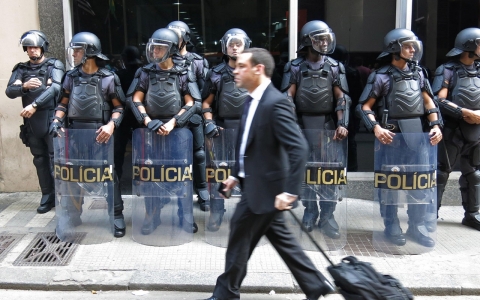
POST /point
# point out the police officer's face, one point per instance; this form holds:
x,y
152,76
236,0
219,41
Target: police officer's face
x,y
159,51
78,54
321,42
235,47
408,50
34,51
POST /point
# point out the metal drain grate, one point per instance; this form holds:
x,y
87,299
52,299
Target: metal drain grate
x,y
47,249
360,244
7,242
100,203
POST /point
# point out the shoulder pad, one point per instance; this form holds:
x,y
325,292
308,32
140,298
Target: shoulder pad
x,y
58,64
116,79
341,68
219,68
19,65
149,67
424,71
371,77
331,61
196,56
297,61
450,65
439,71
138,72
105,72
73,72
287,67
382,70
50,61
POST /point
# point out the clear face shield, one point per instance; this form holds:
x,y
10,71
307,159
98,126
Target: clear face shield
x,y
477,51
32,39
323,41
158,51
75,54
234,45
179,31
411,49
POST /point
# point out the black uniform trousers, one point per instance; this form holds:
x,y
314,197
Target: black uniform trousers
x,y
246,230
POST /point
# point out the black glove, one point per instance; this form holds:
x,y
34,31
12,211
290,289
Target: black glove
x,y
210,130
154,125
55,128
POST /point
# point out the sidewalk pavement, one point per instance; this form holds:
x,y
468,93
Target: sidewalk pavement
x,y
452,268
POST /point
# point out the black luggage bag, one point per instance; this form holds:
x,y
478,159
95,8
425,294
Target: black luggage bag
x,y
357,280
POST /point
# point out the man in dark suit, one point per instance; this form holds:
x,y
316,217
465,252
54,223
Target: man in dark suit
x,y
270,160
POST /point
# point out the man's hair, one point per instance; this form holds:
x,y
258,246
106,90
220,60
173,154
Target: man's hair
x,y
261,56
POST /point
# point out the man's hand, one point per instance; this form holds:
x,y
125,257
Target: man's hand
x,y
284,201
55,128
32,83
435,135
471,116
340,133
383,135
230,183
167,127
28,111
105,132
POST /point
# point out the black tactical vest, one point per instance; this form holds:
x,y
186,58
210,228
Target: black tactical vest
x,y
163,99
315,92
466,87
87,102
230,98
404,100
41,73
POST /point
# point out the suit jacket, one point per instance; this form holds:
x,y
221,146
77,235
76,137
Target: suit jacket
x,y
275,154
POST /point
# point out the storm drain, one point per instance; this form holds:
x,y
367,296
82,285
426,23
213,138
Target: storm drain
x,y
99,203
47,249
360,244
7,242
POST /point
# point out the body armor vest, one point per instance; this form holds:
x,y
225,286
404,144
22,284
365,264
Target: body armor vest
x,y
42,74
314,93
404,100
230,98
163,98
466,90
87,102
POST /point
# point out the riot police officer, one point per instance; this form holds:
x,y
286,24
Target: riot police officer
x,y
223,102
317,85
162,98
92,99
456,86
199,66
38,82
403,96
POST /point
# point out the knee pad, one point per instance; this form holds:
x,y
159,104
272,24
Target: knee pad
x,y
199,155
470,179
442,177
474,156
40,161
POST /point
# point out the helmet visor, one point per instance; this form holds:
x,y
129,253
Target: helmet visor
x,y
158,51
411,49
323,41
179,31
233,45
76,54
31,39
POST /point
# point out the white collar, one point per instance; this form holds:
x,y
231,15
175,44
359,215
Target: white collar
x,y
258,92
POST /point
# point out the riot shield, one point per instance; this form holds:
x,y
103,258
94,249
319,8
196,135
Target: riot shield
x,y
162,204
84,179
405,194
322,208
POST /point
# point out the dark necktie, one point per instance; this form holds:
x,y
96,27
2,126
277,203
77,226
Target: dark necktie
x,y
246,107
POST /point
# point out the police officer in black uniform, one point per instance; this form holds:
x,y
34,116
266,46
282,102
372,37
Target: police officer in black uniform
x,y
317,85
457,87
402,88
104,111
199,68
38,82
223,102
162,98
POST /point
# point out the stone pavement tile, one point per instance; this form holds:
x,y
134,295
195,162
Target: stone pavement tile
x,y
470,284
430,284
90,280
25,278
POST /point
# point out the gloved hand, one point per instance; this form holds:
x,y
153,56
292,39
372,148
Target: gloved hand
x,y
55,128
210,130
154,125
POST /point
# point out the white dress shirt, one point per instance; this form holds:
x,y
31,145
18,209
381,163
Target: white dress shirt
x,y
256,96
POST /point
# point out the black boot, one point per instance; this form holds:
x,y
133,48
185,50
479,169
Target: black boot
x,y
327,224
47,202
215,220
185,215
393,232
472,220
470,199
310,215
152,216
417,230
119,226
203,199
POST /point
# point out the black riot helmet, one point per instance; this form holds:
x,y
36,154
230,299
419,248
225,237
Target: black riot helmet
x,y
235,35
398,39
182,30
34,38
89,43
162,45
466,40
319,36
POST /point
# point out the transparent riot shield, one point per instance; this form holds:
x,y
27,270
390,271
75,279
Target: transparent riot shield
x,y
162,204
322,209
405,210
83,172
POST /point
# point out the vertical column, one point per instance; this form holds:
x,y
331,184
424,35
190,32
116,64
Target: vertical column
x,y
293,29
404,14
